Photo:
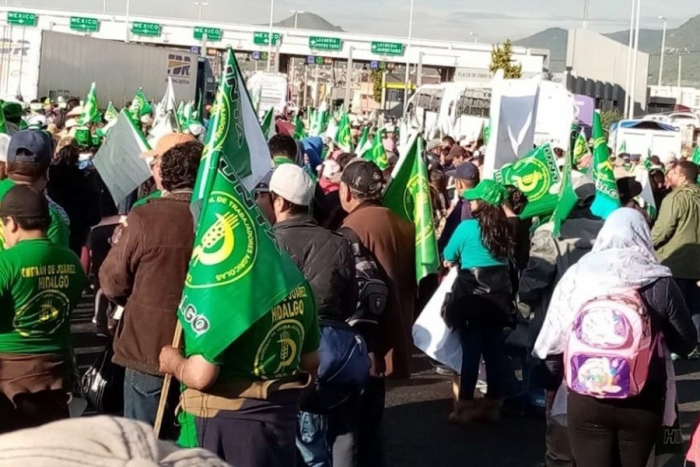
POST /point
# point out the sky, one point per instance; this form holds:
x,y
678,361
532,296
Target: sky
x,y
490,21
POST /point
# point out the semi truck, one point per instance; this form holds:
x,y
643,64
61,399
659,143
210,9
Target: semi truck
x,y
38,63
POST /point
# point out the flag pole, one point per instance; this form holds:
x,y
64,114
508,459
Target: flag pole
x,y
167,381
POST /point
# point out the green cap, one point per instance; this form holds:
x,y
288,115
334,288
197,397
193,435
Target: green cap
x,y
83,137
12,110
488,191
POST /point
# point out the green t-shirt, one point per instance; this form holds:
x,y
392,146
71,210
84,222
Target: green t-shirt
x,y
156,194
466,246
58,230
273,346
40,286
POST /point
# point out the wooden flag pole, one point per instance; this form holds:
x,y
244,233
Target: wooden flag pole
x,y
177,338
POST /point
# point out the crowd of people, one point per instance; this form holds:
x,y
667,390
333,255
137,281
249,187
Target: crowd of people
x,y
592,315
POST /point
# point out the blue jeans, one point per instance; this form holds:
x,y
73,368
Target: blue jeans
x,y
141,396
311,440
486,341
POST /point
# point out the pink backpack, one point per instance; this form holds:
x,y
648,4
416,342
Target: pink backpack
x,y
609,348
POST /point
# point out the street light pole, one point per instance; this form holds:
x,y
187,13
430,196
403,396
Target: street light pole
x,y
269,41
296,17
408,58
475,36
663,50
104,6
128,9
680,72
586,7
200,5
629,59
634,59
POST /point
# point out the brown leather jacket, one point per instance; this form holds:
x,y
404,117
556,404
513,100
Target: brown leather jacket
x,y
145,272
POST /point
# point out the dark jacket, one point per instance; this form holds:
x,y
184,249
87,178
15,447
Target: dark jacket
x,y
145,272
669,316
327,262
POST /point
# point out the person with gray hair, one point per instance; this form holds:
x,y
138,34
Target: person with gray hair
x,y
97,442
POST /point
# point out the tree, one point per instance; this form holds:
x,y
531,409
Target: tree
x,y
502,59
377,79
609,117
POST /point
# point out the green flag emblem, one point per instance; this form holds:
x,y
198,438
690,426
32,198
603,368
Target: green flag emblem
x,y
607,198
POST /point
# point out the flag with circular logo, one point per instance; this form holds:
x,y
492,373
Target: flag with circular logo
x,y
607,199
408,196
537,176
237,273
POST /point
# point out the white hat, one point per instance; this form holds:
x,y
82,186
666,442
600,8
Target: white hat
x,y
330,168
4,145
76,112
291,183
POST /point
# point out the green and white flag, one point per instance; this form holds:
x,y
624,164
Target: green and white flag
x,y
377,153
580,149
319,121
408,196
268,124
567,198
537,176
111,113
234,132
3,122
118,160
180,113
235,259
140,105
486,132
299,130
168,103
696,156
188,112
607,199
622,149
343,137
91,112
647,194
364,144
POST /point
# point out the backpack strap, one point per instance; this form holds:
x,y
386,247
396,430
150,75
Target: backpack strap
x,y
354,240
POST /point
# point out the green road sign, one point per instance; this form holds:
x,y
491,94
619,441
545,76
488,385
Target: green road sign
x,y
387,48
325,43
82,24
213,34
263,38
20,18
146,29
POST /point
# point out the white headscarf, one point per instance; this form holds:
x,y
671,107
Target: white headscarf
x,y
622,259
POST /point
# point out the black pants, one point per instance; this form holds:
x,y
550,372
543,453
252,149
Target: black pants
x,y
614,433
262,433
476,342
691,294
370,436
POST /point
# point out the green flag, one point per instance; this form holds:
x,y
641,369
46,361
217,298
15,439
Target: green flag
x,y
320,121
696,156
235,258
622,149
299,130
537,176
364,144
91,112
580,149
567,199
180,113
343,137
607,198
268,124
377,153
3,122
111,113
486,134
140,105
408,196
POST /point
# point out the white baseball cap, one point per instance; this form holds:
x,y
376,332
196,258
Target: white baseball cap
x,y
292,183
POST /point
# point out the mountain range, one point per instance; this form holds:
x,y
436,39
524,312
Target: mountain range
x,y
685,38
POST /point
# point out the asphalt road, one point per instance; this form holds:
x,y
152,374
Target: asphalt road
x,y
417,433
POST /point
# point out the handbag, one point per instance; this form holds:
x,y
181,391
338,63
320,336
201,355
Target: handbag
x,y
103,384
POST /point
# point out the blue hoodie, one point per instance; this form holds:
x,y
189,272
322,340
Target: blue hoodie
x,y
313,147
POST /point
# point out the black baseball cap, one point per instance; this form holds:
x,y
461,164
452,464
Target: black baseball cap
x,y
22,201
363,177
465,171
33,146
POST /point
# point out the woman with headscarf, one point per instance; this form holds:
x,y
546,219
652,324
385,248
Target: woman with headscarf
x,y
481,302
619,432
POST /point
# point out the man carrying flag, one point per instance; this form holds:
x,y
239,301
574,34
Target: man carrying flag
x,y
249,320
